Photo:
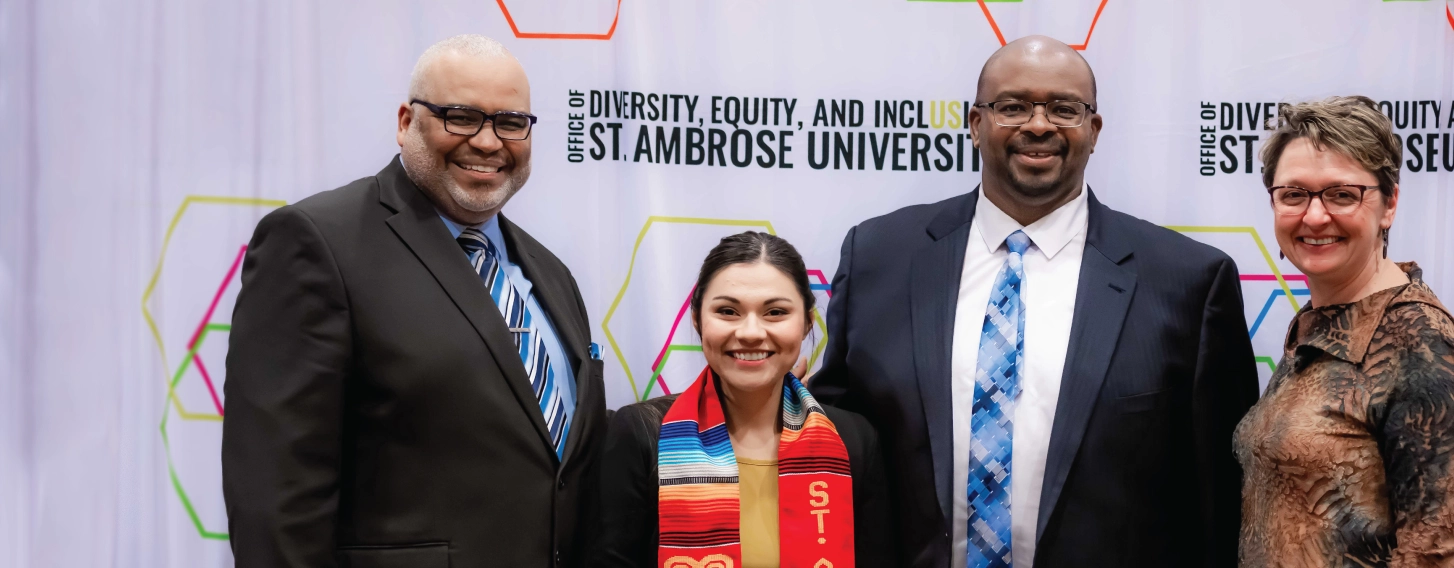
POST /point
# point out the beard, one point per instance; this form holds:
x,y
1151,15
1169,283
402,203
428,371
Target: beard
x,y
430,171
1042,183
1034,185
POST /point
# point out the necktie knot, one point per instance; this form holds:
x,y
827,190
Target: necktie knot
x,y
1018,242
474,240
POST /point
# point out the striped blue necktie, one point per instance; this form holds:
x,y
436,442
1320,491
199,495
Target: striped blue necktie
x,y
533,353
996,383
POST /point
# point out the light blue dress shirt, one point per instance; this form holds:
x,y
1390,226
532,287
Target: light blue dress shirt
x,y
565,377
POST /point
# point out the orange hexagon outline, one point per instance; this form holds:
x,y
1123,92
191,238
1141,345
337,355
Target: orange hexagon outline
x,y
552,35
1078,47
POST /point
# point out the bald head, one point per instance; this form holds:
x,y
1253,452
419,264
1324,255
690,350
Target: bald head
x,y
1033,52
457,157
1035,162
467,46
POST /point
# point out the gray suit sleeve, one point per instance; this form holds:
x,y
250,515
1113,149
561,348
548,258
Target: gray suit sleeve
x,y
287,364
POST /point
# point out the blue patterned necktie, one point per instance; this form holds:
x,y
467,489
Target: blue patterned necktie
x,y
996,383
533,353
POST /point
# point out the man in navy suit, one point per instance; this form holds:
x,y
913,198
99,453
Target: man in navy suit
x,y
1056,383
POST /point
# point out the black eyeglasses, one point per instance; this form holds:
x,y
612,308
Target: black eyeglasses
x,y
1015,112
465,121
1339,199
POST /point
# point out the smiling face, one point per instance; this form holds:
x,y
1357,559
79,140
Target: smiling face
x,y
752,325
1331,249
1037,162
468,177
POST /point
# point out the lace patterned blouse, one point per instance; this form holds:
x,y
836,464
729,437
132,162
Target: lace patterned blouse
x,y
1348,458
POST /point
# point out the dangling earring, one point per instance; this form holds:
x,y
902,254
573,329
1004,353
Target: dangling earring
x,y
1385,243
1281,255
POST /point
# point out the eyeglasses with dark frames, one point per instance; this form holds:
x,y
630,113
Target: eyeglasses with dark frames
x,y
1340,199
465,121
1015,112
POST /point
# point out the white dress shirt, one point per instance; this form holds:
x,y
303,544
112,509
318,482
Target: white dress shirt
x,y
1047,295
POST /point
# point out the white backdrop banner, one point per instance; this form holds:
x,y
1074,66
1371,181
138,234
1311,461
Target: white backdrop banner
x,y
143,139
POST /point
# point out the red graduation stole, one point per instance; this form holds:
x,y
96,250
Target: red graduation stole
x,y
698,501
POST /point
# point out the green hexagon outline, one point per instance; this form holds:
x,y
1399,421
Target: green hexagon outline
x,y
161,345
167,442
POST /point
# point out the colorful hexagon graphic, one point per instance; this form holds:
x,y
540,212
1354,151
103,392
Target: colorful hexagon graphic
x,y
562,19
187,307
648,325
1063,20
1270,296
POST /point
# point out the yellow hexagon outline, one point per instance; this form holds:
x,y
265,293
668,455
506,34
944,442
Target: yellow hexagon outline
x,y
161,347
1256,238
156,276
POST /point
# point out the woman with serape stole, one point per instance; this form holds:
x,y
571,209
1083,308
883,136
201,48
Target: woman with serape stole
x,y
744,469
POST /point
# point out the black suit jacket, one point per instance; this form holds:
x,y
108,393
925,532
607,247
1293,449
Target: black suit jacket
x,y
1159,370
627,535
377,412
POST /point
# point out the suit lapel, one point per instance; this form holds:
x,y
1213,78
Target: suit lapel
x,y
1103,295
559,301
933,294
416,222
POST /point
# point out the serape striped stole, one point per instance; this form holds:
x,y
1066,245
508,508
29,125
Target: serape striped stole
x,y
699,506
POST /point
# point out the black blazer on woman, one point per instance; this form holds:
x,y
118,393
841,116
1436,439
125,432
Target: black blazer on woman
x,y
627,530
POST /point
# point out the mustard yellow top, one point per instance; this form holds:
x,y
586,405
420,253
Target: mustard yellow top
x,y
757,486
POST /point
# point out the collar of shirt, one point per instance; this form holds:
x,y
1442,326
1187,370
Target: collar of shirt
x,y
491,229
1050,233
1346,331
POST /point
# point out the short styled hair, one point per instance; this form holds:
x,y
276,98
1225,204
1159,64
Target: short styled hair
x,y
473,45
1351,126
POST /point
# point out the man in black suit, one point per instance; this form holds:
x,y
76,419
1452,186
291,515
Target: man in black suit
x,y
1118,396
410,381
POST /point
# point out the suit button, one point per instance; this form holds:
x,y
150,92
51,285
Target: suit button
x,y
557,558
560,484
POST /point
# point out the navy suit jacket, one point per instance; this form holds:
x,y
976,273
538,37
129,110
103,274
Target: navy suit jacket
x,y
1159,371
